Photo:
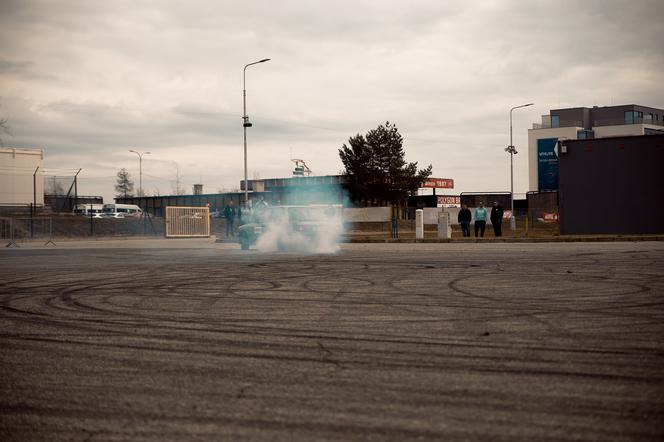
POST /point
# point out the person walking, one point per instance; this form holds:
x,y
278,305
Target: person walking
x,y
464,218
480,219
497,218
229,214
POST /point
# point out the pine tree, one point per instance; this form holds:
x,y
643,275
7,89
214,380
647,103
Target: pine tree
x,y
124,186
376,167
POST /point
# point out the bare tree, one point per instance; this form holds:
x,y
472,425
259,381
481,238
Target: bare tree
x,y
177,183
4,129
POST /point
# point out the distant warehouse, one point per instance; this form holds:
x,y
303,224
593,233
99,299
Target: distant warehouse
x,y
327,189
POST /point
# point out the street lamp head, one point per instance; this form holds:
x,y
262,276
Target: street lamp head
x,y
256,62
132,151
145,153
519,107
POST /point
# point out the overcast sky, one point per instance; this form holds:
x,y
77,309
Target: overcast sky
x,y
86,81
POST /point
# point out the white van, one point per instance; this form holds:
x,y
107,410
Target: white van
x,y
122,211
89,210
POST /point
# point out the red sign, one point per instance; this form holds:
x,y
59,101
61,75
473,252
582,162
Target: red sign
x,y
444,200
550,217
438,183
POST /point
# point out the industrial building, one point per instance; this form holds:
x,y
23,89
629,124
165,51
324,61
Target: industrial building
x,y
582,123
327,189
295,190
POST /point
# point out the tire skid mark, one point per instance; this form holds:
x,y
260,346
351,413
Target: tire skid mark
x,y
453,285
371,360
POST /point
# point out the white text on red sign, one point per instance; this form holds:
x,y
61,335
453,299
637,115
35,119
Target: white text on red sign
x,y
439,183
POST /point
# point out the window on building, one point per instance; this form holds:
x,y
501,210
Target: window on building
x,y
633,117
585,134
555,120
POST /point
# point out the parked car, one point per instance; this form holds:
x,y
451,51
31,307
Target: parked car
x,y
89,210
122,211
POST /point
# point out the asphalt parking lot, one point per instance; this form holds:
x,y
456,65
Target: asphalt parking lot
x,y
194,340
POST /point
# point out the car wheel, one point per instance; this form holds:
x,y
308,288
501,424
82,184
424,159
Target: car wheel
x,y
244,242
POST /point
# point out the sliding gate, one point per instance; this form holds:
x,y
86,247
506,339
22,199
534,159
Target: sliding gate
x,y
187,222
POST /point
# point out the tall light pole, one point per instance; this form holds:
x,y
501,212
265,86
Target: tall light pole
x,y
245,125
512,150
140,170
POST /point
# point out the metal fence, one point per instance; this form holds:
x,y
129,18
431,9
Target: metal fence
x,y
13,230
187,222
542,206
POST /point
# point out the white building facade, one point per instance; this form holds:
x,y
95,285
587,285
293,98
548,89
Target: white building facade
x,y
21,177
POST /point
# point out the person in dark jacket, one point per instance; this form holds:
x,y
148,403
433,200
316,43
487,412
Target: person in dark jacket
x,y
464,218
497,218
229,214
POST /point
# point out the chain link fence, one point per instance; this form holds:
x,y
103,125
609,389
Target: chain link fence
x,y
14,230
19,229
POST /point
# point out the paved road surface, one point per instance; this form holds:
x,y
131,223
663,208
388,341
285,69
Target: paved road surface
x,y
173,341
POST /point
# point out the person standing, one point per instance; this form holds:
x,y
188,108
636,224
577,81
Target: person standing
x,y
464,218
497,218
229,214
480,219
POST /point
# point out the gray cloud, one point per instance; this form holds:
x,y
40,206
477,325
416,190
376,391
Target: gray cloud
x,y
89,80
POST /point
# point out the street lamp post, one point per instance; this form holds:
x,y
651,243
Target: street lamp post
x,y
512,150
140,170
245,125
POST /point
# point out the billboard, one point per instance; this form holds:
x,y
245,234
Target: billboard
x,y
547,164
448,200
438,183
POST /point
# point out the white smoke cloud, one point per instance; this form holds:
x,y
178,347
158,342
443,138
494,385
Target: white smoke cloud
x,y
312,229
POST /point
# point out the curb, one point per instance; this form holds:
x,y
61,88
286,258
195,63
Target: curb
x,y
630,238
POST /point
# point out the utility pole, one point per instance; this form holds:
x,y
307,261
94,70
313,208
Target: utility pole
x,y
76,187
512,151
33,207
245,125
140,171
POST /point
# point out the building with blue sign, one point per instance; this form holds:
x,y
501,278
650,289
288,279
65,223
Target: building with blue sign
x,y
582,123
